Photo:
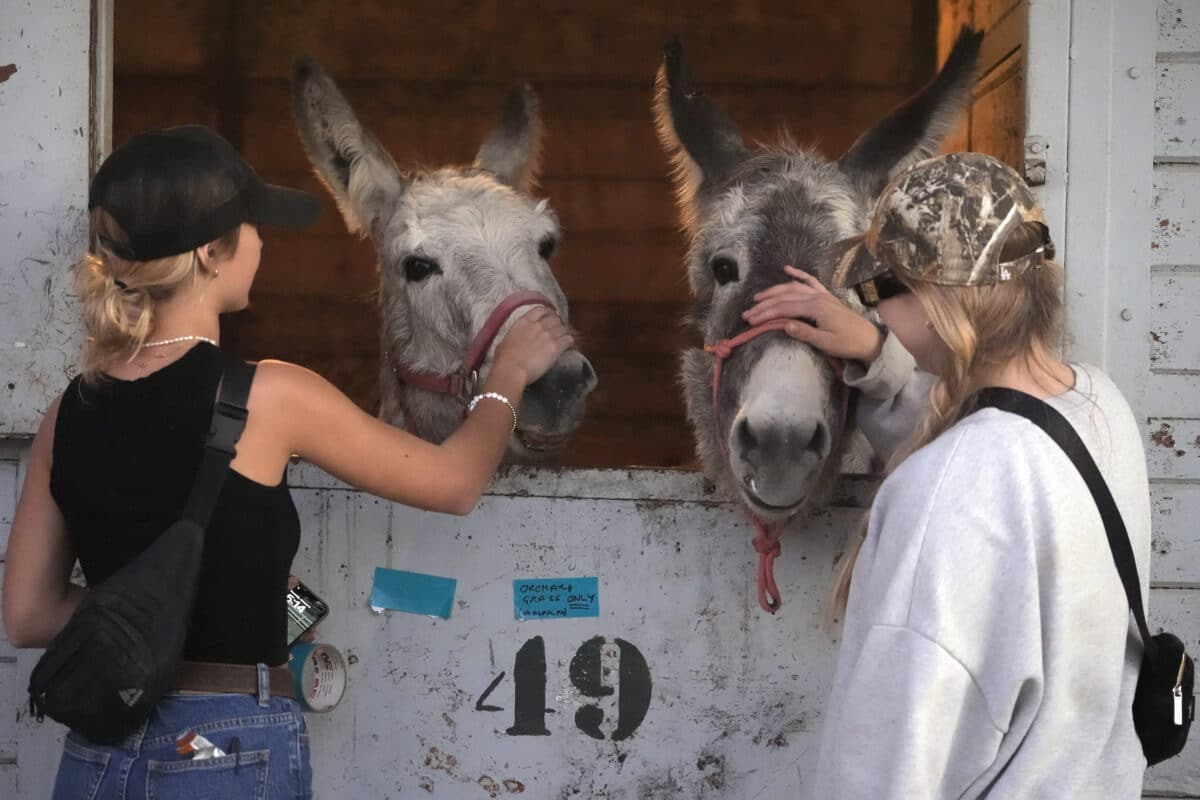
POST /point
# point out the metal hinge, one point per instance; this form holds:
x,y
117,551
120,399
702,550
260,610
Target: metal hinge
x,y
1035,160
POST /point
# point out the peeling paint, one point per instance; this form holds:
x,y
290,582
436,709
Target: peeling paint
x,y
1162,437
489,785
436,759
713,767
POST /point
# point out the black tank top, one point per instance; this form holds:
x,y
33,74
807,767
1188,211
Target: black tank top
x,y
125,456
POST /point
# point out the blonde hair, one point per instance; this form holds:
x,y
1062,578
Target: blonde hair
x,y
983,328
120,296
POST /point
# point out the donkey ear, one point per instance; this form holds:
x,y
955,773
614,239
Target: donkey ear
x,y
513,150
915,130
359,173
704,145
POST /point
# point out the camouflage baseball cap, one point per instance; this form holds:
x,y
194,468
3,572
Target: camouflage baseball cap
x,y
945,220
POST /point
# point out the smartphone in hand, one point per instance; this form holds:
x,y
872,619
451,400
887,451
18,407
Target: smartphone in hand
x,y
305,610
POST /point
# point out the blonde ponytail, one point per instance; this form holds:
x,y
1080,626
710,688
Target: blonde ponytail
x,y
120,296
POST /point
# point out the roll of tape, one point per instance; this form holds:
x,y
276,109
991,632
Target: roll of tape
x,y
319,672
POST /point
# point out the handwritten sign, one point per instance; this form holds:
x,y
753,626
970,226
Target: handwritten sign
x,y
556,598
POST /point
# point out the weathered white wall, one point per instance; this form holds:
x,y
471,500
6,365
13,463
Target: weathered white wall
x,y
737,695
44,152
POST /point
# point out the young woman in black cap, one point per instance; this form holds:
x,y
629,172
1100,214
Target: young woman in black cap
x,y
988,648
175,215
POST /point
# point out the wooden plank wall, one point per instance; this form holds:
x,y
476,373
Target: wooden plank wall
x,y
429,76
996,121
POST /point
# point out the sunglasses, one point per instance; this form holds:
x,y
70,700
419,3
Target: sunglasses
x,y
881,287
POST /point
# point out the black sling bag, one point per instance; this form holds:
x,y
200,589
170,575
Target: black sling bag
x,y
118,653
1163,703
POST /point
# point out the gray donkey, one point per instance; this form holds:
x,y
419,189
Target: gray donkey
x,y
453,245
773,439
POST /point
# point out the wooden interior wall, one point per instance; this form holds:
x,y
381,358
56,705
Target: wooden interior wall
x,y
996,121
429,77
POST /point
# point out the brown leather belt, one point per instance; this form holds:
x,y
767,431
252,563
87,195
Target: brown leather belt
x,y
203,676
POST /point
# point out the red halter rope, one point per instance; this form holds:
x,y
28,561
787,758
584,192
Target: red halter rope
x,y
767,540
460,384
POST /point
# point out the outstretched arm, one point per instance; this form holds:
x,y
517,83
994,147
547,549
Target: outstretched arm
x,y
312,419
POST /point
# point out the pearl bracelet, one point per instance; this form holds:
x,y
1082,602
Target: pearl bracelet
x,y
493,396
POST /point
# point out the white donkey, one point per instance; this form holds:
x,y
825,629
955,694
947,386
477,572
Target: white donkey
x,y
463,252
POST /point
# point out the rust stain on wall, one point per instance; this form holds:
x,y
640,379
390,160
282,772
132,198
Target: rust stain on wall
x,y
7,71
1162,437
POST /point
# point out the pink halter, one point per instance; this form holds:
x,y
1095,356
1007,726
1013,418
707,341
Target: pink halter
x,y
767,541
460,384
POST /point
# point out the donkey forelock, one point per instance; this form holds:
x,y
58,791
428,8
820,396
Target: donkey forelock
x,y
782,206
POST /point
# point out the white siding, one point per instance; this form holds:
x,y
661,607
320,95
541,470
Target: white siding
x,y
1172,400
1177,111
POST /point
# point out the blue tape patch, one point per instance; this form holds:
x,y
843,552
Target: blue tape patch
x,y
556,598
412,591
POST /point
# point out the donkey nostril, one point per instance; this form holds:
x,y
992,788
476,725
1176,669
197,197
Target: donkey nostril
x,y
819,440
746,439
586,374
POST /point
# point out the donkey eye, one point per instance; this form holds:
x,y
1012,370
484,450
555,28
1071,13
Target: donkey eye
x,y
724,269
546,247
418,269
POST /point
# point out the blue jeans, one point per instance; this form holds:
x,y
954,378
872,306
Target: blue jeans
x,y
265,740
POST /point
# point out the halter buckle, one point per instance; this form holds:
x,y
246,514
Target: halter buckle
x,y
467,381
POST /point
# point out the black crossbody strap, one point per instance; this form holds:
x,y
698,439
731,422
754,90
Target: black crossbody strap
x,y
228,422
1056,426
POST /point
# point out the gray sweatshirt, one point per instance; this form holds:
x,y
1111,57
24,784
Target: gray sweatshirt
x,y
988,649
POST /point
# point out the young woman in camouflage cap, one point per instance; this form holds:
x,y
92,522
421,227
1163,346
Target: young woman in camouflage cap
x,y
988,648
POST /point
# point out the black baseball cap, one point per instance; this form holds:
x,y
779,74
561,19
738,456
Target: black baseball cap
x,y
175,189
